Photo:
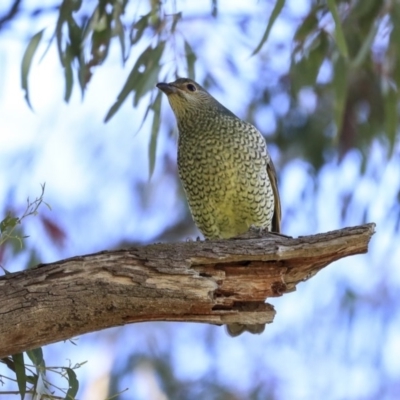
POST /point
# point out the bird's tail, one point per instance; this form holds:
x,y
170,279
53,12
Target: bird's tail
x,y
238,329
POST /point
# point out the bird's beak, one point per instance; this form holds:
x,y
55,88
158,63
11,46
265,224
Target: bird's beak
x,y
167,88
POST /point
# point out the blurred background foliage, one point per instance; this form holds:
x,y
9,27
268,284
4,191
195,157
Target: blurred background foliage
x,y
320,79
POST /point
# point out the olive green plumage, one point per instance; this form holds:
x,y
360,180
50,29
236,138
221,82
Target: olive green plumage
x,y
225,168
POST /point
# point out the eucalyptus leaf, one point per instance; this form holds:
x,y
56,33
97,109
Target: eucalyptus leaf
x,y
305,72
84,74
140,82
139,28
8,222
73,384
274,15
154,133
394,43
36,356
75,36
19,366
145,116
148,78
365,49
119,29
175,19
128,87
76,5
390,100
308,26
68,74
340,92
190,60
339,34
27,62
146,82
64,14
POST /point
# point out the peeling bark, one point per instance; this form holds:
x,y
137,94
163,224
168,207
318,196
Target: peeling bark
x,y
211,281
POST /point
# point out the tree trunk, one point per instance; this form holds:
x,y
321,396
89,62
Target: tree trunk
x,y
216,282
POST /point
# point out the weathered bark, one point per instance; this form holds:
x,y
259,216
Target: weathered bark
x,y
213,281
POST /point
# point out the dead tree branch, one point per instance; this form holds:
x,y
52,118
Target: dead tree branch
x,y
213,281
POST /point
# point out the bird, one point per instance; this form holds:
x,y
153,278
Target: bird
x,y
224,165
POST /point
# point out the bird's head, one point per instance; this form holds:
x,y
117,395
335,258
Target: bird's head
x,y
187,97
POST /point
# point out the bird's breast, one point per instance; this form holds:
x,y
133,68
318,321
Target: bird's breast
x,y
225,179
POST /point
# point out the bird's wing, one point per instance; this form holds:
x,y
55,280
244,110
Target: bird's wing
x,y
276,219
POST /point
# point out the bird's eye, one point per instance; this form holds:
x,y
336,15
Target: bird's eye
x,y
191,87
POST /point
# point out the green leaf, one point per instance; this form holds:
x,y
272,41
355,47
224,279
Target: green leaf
x,y
365,49
73,384
145,116
305,72
190,60
88,26
391,119
154,133
69,76
119,29
84,74
140,82
274,15
27,61
100,43
128,87
339,35
36,356
32,379
130,84
139,28
148,78
75,36
146,82
308,26
8,222
368,9
175,19
20,373
75,5
63,16
394,44
339,83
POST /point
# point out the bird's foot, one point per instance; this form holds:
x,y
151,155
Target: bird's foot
x,y
198,239
257,232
